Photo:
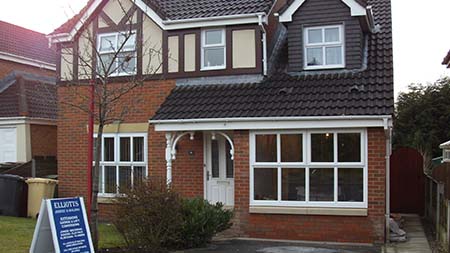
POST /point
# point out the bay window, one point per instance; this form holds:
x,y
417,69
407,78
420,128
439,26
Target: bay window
x,y
309,168
324,47
123,162
117,51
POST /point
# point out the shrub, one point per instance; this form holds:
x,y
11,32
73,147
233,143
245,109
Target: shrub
x,y
149,217
201,221
153,218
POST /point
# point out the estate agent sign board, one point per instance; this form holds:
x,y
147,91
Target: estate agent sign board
x,y
62,227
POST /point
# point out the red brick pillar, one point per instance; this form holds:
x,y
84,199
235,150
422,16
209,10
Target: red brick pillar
x,y
241,181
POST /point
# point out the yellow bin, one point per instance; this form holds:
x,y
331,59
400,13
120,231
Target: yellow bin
x,y
39,189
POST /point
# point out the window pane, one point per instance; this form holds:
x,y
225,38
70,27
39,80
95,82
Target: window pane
x,y
321,184
214,57
125,149
322,149
213,37
315,36
109,149
215,158
333,55
293,184
138,149
108,43
138,174
127,62
106,62
332,35
130,44
291,148
314,56
266,148
230,164
350,186
110,179
349,147
265,184
124,178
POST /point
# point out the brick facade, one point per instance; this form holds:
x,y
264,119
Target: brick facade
x,y
43,140
188,175
7,66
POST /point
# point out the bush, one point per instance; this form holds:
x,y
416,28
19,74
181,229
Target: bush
x,y
153,218
149,217
201,221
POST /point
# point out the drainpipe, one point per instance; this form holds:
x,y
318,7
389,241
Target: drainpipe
x,y
388,134
264,44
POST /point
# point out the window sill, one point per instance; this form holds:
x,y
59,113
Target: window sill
x,y
308,210
107,200
213,68
324,67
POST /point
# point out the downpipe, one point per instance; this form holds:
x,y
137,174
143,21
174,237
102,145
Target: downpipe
x,y
388,135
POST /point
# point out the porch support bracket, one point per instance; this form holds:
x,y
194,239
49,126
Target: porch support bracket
x,y
229,141
171,151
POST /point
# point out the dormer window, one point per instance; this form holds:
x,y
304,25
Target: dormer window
x,y
324,47
213,49
124,62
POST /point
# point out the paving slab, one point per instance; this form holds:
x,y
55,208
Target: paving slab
x,y
417,241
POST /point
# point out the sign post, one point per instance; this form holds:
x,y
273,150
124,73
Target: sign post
x,y
62,227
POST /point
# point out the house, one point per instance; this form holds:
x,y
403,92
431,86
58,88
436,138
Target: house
x,y
27,100
446,60
281,110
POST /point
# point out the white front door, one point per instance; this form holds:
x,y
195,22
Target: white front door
x,y
219,171
8,145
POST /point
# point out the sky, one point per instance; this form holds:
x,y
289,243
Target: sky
x,y
420,29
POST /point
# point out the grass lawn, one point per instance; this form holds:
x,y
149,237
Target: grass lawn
x,y
16,235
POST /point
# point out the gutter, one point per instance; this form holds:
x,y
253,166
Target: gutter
x,y
217,18
25,120
274,119
27,61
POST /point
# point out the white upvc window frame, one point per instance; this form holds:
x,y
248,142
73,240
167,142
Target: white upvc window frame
x,y
446,155
113,51
307,165
323,45
220,45
117,163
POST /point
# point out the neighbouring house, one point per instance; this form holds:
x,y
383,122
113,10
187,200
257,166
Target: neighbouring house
x,y
281,110
446,60
27,102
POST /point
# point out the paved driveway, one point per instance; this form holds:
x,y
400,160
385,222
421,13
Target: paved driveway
x,y
247,246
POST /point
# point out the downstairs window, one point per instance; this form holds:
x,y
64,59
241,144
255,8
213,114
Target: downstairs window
x,y
123,162
309,168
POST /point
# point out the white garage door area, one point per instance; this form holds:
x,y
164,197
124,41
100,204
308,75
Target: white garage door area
x,y
8,145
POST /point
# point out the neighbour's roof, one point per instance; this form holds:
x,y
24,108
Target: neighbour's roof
x,y
445,145
446,60
26,43
188,9
365,92
36,99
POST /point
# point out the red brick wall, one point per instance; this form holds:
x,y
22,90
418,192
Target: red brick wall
x,y
7,66
43,140
313,227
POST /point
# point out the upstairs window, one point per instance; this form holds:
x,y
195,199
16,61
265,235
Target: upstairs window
x,y
324,47
118,49
213,49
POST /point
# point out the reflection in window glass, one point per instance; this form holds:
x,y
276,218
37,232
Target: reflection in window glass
x,y
349,147
350,184
215,158
314,56
138,174
291,148
125,146
138,149
214,57
333,55
265,184
124,178
332,34
230,164
213,37
322,149
266,148
110,179
293,184
315,36
108,43
321,184
109,149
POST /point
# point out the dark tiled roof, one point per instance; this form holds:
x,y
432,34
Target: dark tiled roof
x,y
37,99
20,41
188,9
366,92
446,60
